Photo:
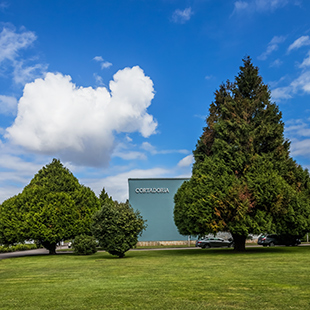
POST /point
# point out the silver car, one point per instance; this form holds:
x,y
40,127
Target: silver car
x,y
214,243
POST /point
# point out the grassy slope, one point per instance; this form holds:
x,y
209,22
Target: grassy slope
x,y
261,278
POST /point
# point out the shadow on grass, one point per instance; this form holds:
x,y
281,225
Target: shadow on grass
x,y
101,255
204,252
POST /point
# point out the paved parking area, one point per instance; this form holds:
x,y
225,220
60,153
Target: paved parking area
x,y
24,253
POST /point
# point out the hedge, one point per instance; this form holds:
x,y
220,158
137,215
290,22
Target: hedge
x,y
18,247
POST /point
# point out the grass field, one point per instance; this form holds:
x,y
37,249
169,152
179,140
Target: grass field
x,y
261,278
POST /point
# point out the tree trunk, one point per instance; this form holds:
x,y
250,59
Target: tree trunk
x,y
239,243
51,247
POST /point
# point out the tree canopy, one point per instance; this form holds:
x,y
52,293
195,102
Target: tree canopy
x,y
117,226
54,206
243,179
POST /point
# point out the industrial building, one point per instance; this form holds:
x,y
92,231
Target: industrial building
x,y
154,198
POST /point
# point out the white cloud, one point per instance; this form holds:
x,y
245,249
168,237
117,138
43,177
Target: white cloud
x,y
151,149
23,75
276,63
298,131
117,185
186,161
104,64
240,5
281,93
148,147
298,86
270,5
15,172
98,58
302,83
306,61
297,127
98,79
122,151
78,124
181,17
302,41
273,45
11,43
130,155
300,148
259,5
8,105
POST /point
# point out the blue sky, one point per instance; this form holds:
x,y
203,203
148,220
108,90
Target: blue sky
x,y
121,89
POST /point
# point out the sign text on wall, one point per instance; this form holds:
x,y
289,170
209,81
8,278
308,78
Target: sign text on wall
x,y
159,190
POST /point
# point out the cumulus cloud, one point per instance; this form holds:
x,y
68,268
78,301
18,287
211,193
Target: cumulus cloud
x,y
302,41
58,118
8,105
181,17
104,64
273,45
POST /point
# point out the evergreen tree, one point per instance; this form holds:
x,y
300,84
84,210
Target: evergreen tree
x,y
243,179
51,208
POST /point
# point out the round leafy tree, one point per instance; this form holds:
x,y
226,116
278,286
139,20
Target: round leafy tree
x,y
117,226
243,179
51,208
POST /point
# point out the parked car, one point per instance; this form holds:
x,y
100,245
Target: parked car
x,y
214,243
272,240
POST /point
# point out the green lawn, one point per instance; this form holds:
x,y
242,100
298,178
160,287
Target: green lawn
x,y
261,278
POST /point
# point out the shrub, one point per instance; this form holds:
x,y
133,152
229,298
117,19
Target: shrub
x,y
17,247
84,245
117,227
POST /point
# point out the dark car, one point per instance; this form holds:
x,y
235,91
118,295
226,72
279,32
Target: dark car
x,y
214,243
272,240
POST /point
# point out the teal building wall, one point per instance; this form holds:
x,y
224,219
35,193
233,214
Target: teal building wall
x,y
154,199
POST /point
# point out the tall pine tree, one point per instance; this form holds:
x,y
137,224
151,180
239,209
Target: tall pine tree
x,y
243,179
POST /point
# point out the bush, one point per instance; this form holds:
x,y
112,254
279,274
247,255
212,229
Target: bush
x,y
117,227
18,247
84,245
